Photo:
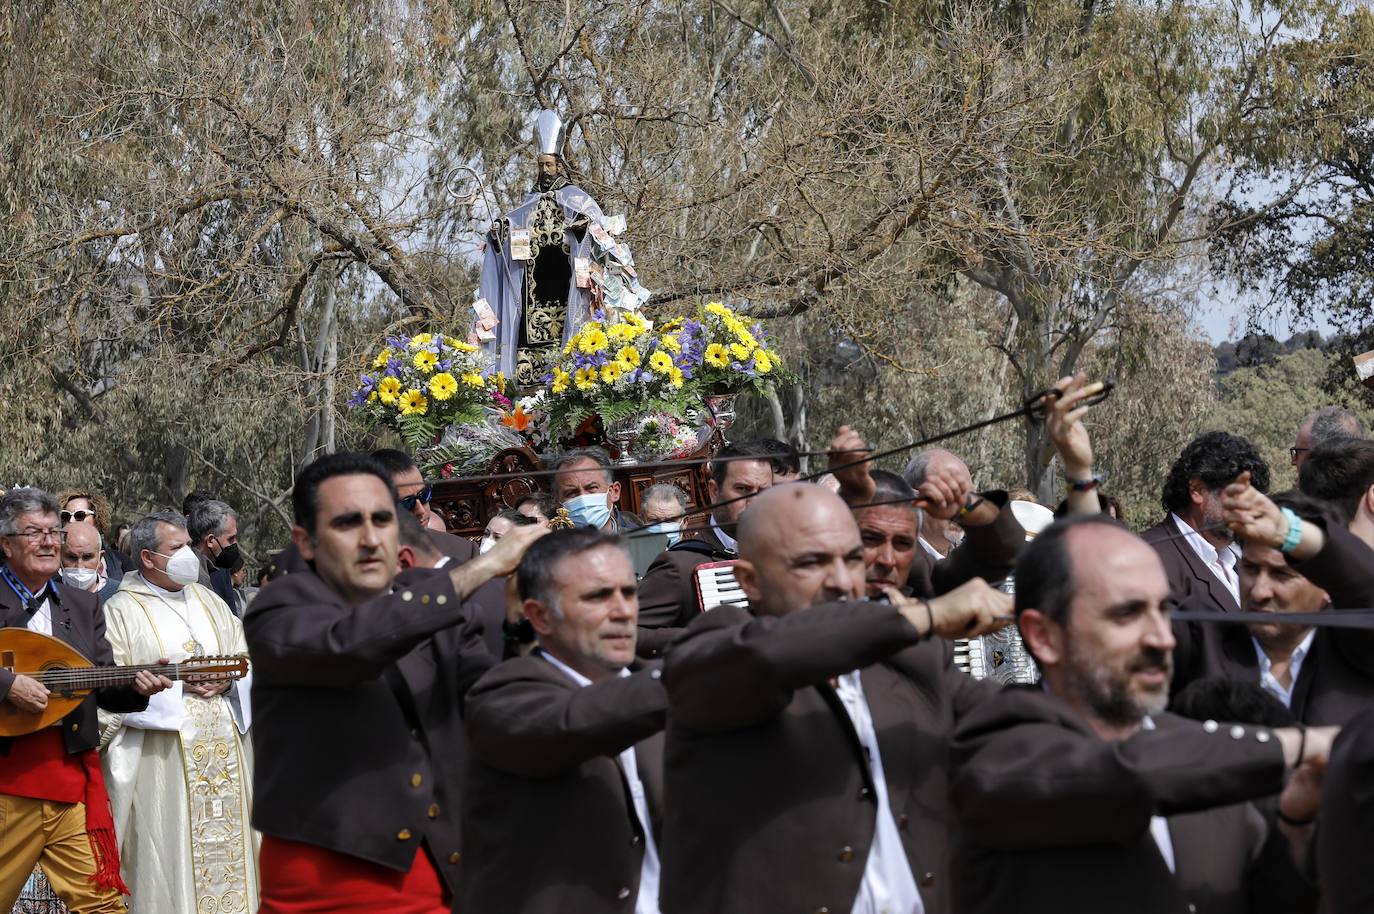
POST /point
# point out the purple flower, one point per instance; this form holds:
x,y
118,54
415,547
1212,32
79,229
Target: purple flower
x,y
359,398
446,364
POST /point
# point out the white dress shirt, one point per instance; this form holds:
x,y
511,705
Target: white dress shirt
x,y
888,885
1221,562
726,539
41,621
1159,826
1266,667
647,902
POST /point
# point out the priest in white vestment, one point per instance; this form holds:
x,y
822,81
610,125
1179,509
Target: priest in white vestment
x,y
180,773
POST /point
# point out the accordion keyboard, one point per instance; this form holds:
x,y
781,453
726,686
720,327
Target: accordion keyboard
x,y
716,585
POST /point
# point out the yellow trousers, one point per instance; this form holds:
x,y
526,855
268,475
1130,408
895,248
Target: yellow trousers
x,y
52,835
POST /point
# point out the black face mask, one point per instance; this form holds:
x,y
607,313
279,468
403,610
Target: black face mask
x,y
228,557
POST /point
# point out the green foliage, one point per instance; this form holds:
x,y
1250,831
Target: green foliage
x,y
1266,403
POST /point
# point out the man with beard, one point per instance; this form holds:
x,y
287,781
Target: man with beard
x,y
1198,551
1324,675
1083,795
806,740
669,596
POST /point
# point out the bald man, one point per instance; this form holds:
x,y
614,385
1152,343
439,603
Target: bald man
x,y
806,741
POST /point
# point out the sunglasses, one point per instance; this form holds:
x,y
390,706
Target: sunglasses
x,y
80,516
423,496
1295,451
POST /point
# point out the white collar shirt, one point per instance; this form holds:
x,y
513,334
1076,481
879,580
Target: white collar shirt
x,y
1221,562
888,886
1270,682
726,539
1159,826
930,550
41,621
647,902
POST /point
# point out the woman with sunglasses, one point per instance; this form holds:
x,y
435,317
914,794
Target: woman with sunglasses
x,y
87,506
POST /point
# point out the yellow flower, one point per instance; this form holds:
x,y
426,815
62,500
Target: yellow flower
x,y
592,341
762,363
585,379
473,379
372,397
671,326
442,386
670,343
716,307
560,380
458,344
413,403
421,340
743,335
610,372
382,358
740,352
660,361
620,333
425,360
628,358
389,390
716,356
498,381
675,376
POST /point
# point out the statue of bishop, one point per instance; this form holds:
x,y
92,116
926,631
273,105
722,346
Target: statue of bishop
x,y
535,289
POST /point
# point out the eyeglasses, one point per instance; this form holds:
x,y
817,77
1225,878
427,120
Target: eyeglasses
x,y
423,496
37,536
1295,451
79,515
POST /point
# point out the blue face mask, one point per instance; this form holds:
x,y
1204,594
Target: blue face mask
x,y
589,510
671,527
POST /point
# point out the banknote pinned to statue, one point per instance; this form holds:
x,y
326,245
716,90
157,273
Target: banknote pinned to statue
x,y
549,264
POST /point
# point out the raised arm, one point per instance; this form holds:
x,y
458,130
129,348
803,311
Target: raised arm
x,y
523,724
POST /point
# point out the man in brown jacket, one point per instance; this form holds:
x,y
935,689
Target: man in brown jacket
x,y
806,751
357,691
1324,675
1082,795
1199,554
668,594
566,758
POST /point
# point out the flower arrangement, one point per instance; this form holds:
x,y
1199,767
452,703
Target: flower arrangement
x,y
425,383
664,437
725,355
614,370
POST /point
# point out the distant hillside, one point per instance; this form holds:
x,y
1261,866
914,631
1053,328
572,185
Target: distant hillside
x,y
1257,349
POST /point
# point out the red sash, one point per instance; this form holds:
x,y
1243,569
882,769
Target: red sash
x,y
304,879
39,767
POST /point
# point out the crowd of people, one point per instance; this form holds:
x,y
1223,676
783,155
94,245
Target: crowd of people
x,y
542,722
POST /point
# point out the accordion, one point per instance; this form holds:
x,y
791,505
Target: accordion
x,y
716,585
1000,656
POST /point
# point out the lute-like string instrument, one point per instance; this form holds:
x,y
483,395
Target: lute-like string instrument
x,y
69,676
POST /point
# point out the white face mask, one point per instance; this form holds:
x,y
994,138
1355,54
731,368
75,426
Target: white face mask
x,y
183,566
485,546
80,578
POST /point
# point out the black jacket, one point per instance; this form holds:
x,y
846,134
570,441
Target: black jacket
x,y
78,620
356,727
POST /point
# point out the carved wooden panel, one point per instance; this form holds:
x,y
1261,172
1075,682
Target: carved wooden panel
x,y
467,503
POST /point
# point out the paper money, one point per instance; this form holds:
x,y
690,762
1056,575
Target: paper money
x,y
520,244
